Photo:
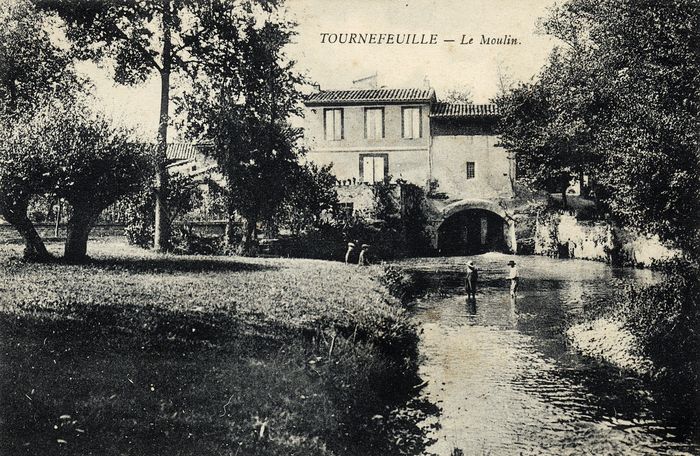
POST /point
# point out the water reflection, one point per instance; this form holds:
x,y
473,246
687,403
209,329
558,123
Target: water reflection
x,y
507,383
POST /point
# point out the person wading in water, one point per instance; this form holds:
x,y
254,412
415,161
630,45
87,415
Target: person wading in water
x,y
472,277
514,278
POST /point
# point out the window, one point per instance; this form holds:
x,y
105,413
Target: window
x,y
471,170
333,124
374,167
374,123
411,123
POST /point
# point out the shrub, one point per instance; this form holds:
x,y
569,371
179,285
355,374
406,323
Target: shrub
x,y
140,218
187,242
183,196
666,319
311,193
400,284
588,213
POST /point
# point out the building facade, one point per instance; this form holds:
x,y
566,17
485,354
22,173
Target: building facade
x,y
393,135
405,134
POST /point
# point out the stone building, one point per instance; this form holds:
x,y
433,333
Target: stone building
x,y
406,135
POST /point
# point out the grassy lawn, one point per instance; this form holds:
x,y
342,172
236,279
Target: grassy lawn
x,y
140,354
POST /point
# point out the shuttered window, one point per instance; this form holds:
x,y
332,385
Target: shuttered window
x,y
333,124
411,123
374,123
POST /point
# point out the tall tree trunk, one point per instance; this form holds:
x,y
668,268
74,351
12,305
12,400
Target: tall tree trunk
x,y
58,218
161,241
79,226
34,248
563,195
229,231
247,246
582,186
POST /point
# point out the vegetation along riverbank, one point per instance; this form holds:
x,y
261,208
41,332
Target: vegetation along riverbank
x,y
136,353
651,331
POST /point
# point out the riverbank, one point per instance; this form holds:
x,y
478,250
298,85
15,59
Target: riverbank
x,y
138,353
608,340
507,380
651,331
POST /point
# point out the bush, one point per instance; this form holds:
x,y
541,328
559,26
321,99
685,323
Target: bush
x,y
140,218
666,319
187,242
183,196
326,242
400,284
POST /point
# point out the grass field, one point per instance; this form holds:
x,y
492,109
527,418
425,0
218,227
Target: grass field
x,y
140,354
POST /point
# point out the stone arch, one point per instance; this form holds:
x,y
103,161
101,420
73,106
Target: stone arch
x,y
451,213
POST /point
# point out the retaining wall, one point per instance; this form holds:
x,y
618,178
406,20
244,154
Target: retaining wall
x,y
562,236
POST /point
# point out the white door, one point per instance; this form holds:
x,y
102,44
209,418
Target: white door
x,y
378,169
368,169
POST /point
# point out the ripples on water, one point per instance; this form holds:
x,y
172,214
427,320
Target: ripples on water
x,y
504,377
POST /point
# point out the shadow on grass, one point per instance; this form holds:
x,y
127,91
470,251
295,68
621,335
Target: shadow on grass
x,y
176,264
98,379
127,326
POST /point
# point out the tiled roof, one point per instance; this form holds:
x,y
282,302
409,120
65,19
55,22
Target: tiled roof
x,y
357,96
445,110
182,151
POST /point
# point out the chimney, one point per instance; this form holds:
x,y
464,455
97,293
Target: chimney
x,y
368,82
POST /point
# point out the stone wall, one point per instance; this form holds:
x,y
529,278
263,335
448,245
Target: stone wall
x,y
563,236
492,167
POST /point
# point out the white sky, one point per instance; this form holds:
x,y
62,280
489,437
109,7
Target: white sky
x,y
446,65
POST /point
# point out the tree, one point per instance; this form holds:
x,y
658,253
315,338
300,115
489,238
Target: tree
x,y
310,193
31,66
164,37
21,176
32,70
620,99
88,162
527,128
243,111
642,86
461,94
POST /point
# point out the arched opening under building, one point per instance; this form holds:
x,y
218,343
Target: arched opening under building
x,y
469,230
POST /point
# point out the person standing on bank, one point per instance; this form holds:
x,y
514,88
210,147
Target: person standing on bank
x,y
472,277
350,253
513,277
363,260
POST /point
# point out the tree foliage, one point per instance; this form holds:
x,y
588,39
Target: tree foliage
x,y
619,101
244,113
311,192
32,67
527,120
162,37
32,70
69,152
461,94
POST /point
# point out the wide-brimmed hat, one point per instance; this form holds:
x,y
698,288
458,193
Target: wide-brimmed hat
x,y
511,263
470,264
351,244
365,246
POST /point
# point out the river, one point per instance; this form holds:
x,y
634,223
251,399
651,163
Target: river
x,y
506,381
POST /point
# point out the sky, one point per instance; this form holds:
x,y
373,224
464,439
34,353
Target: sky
x,y
445,65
